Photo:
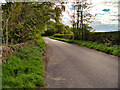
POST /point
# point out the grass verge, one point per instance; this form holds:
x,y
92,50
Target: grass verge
x,y
113,50
25,69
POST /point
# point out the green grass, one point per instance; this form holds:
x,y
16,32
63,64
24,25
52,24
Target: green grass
x,y
110,49
25,69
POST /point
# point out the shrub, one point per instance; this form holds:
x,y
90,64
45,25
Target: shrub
x,y
105,37
66,36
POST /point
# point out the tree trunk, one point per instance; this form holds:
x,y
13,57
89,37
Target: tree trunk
x,y
7,32
11,41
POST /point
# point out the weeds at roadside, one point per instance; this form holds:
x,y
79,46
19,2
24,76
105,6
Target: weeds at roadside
x,y
114,49
25,69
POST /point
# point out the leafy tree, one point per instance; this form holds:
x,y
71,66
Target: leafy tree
x,y
84,15
24,21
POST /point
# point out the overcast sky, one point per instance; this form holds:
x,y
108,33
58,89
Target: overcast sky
x,y
106,12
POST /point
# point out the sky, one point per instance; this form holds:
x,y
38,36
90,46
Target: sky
x,y
105,12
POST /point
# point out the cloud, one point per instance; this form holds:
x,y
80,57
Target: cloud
x,y
2,1
106,12
105,27
110,13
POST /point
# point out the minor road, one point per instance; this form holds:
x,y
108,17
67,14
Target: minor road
x,y
73,66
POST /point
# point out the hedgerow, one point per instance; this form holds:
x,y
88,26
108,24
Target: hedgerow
x,y
67,36
110,49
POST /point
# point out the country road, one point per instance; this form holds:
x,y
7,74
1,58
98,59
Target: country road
x,y
73,66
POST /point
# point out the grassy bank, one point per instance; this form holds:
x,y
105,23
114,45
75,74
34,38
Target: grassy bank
x,y
25,69
110,49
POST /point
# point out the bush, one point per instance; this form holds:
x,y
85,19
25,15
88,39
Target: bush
x,y
109,38
66,36
105,37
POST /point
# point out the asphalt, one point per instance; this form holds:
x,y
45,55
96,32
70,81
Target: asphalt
x,y
73,66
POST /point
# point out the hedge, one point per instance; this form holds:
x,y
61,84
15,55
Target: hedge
x,y
66,36
113,49
105,37
102,37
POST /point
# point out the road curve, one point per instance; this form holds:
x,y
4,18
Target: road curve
x,y
73,66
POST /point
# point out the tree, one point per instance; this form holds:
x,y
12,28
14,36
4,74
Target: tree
x,y
24,21
6,17
86,17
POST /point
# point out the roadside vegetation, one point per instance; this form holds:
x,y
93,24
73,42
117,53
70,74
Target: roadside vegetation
x,y
25,69
28,21
23,22
110,49
83,34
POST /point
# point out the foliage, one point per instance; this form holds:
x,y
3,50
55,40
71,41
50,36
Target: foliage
x,y
56,28
25,69
105,37
110,49
108,38
85,16
24,21
78,32
66,36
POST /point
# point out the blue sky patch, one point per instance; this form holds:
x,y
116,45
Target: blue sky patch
x,y
106,10
73,7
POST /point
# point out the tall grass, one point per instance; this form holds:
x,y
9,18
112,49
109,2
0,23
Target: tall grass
x,y
25,69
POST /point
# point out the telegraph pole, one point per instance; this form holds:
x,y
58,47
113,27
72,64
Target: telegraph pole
x,y
79,15
81,20
74,21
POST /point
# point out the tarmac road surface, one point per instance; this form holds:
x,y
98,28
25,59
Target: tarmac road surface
x,y
73,66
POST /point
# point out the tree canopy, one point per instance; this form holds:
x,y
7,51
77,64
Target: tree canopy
x,y
24,21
